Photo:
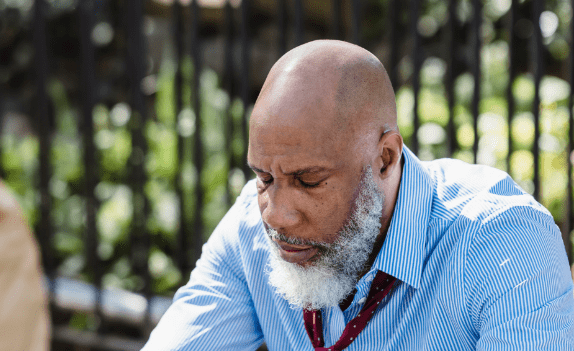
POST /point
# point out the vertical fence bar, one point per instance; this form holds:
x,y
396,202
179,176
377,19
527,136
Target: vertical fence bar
x,y
337,20
197,137
537,66
416,71
88,85
43,116
228,85
282,23
476,23
140,241
394,33
511,76
451,133
570,154
299,18
245,56
356,21
183,231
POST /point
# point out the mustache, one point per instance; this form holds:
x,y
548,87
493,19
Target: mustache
x,y
274,234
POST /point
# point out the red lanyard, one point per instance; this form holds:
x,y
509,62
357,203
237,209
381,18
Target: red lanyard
x,y
380,287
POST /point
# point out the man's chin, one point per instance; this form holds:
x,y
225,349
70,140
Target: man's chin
x,y
309,285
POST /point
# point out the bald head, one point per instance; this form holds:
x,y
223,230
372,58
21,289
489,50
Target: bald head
x,y
347,83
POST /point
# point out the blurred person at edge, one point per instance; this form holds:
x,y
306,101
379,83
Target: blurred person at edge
x,y
346,240
24,318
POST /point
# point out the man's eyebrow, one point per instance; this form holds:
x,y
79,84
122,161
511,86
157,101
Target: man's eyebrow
x,y
314,169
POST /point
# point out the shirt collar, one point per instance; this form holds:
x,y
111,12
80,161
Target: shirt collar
x,y
403,251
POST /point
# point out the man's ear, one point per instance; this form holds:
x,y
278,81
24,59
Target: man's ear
x,y
390,150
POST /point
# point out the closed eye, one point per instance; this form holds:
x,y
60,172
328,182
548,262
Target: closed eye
x,y
309,185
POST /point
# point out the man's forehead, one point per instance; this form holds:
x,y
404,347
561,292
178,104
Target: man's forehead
x,y
294,115
307,148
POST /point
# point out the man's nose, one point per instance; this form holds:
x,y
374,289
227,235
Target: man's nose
x,y
280,211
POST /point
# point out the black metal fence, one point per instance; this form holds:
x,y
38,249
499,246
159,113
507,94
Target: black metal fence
x,y
484,81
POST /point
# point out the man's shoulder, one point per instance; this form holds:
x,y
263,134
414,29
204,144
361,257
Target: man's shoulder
x,y
483,209
250,216
476,192
242,224
245,211
493,223
238,240
248,195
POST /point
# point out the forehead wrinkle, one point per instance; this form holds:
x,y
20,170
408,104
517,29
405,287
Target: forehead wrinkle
x,y
279,136
298,171
312,169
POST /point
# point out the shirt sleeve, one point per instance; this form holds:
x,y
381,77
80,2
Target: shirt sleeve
x,y
214,311
518,284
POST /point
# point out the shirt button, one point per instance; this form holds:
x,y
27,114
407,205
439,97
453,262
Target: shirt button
x,y
370,278
362,300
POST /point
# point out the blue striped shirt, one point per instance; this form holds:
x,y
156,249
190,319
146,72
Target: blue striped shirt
x,y
481,266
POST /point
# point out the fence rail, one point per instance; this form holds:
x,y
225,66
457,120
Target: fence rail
x,y
144,75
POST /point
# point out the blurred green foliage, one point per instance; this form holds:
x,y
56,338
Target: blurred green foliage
x,y
493,124
164,170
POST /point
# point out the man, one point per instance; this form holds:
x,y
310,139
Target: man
x,y
347,241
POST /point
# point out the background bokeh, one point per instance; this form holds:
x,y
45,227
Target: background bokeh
x,y
192,121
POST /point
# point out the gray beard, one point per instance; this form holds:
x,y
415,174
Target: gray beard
x,y
327,281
